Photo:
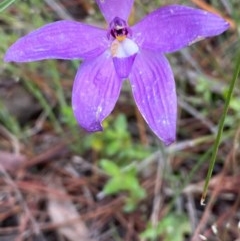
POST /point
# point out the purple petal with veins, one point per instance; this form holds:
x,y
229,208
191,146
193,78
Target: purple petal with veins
x,y
154,92
173,27
115,8
95,91
60,40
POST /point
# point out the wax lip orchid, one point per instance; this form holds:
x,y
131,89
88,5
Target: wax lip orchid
x,y
120,52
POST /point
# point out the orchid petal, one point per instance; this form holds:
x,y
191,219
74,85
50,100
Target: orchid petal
x,y
115,8
123,66
153,89
173,27
123,53
95,91
60,40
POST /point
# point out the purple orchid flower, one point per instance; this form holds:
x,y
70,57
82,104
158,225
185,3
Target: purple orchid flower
x,y
120,52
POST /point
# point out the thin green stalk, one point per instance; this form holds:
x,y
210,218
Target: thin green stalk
x,y
220,129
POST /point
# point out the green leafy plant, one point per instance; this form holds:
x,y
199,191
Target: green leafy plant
x,y
171,227
123,180
116,143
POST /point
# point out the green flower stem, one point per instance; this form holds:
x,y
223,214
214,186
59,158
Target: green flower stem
x,y
220,129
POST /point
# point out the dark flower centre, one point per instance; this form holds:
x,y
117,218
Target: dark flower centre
x,y
118,29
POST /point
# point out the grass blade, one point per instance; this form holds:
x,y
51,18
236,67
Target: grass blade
x,y
5,4
220,129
